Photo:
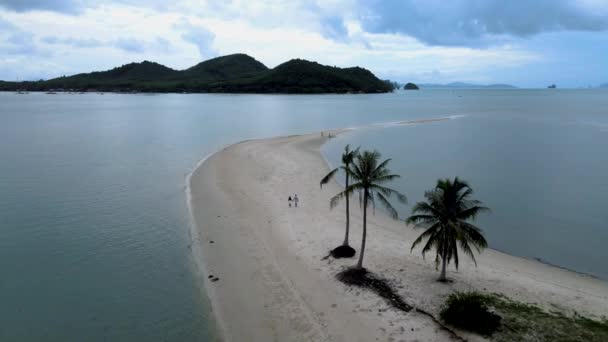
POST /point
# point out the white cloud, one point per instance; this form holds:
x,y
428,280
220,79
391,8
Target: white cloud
x,y
198,35
96,35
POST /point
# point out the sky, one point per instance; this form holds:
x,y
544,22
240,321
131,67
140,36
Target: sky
x,y
528,43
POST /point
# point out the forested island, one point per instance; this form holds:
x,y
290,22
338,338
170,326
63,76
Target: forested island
x,y
237,73
410,86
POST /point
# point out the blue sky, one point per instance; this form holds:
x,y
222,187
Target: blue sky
x,y
529,43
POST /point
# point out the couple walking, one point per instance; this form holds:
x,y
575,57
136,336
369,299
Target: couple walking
x,y
295,200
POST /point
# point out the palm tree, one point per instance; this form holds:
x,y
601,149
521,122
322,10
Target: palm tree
x,y
445,213
348,157
370,175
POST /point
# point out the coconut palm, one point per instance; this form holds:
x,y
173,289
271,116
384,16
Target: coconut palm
x,y
348,156
370,175
445,213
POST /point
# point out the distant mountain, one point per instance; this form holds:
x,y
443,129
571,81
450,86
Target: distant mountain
x,y
302,76
225,68
462,85
123,75
238,73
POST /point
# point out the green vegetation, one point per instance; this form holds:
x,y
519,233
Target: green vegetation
x,y
470,311
238,73
410,86
519,321
370,174
348,156
445,213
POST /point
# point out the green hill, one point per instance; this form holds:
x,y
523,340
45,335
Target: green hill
x,y
305,77
410,86
238,73
224,68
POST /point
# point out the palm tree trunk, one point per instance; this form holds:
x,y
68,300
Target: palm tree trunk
x,y
360,263
345,243
442,277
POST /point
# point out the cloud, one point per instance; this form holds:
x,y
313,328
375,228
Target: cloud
x,y
75,42
477,22
62,6
130,45
199,36
16,41
333,27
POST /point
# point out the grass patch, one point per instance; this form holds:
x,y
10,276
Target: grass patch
x,y
524,322
471,311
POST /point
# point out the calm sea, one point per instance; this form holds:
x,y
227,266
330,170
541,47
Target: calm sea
x,y
537,158
95,231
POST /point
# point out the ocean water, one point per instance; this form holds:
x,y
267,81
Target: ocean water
x,y
95,229
537,158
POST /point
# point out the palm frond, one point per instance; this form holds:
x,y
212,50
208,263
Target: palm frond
x,y
421,220
390,192
426,208
474,235
387,205
328,177
471,213
427,233
333,202
380,167
467,250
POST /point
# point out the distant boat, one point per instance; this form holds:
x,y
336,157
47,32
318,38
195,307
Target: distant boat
x,y
51,93
553,86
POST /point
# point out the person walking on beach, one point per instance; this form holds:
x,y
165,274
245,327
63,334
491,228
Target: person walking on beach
x,y
296,200
289,201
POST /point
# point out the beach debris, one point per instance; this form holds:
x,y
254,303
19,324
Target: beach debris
x,y
215,279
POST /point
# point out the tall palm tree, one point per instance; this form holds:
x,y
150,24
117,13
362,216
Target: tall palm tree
x,y
370,174
348,156
445,213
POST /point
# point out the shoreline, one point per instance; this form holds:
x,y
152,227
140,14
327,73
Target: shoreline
x,y
532,272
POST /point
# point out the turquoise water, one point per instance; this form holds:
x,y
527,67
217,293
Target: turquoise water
x,y
537,158
95,231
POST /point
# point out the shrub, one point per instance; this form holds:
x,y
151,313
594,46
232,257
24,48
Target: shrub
x,y
470,311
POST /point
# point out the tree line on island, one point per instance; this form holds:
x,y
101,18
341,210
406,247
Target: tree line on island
x,y
237,73
446,215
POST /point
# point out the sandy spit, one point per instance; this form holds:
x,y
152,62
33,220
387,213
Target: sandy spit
x,y
274,286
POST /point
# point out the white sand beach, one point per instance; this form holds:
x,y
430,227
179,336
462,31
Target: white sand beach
x,y
274,286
